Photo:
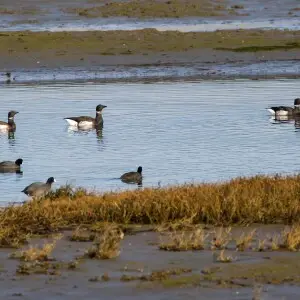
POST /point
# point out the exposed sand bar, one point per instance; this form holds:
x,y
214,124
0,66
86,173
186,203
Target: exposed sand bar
x,y
84,49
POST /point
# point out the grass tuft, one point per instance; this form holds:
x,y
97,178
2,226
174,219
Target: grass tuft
x,y
184,241
244,240
222,237
291,238
12,237
223,258
80,235
40,254
106,245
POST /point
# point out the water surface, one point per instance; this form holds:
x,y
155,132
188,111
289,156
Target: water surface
x,y
186,131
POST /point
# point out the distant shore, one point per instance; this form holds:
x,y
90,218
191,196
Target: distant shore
x,y
40,50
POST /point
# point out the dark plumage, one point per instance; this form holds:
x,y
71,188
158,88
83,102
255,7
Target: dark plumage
x,y
133,177
85,121
10,124
10,166
39,189
286,110
8,77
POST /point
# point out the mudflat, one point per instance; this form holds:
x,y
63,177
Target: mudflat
x,y
95,48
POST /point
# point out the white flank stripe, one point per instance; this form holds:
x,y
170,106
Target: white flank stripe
x,y
72,122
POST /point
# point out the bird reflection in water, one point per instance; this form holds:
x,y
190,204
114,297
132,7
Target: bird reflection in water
x,y
286,120
19,173
10,133
86,131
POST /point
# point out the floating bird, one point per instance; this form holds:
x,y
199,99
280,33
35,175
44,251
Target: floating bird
x,y
11,166
133,177
10,125
88,122
8,77
39,189
286,110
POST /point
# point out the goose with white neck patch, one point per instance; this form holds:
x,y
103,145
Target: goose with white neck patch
x,y
10,124
87,122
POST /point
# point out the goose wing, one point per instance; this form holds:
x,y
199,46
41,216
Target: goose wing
x,y
6,164
79,120
30,189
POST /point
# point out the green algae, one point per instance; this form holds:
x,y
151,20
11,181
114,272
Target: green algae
x,y
145,41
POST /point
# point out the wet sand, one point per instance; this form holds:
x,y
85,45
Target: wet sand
x,y
269,273
25,50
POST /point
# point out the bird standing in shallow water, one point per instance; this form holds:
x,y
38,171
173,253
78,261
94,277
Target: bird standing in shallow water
x,y
39,189
86,122
10,124
133,177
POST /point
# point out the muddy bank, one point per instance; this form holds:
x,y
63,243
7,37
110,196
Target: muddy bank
x,y
142,270
85,49
158,9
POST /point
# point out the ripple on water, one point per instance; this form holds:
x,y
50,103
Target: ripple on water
x,y
178,131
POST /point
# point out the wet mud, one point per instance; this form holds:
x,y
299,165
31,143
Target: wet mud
x,y
39,50
142,270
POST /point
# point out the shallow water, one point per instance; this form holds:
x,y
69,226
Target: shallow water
x,y
178,131
158,72
183,24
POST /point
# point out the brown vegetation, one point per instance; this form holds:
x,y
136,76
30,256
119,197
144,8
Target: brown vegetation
x,y
37,253
223,258
258,199
106,245
222,237
244,240
81,235
157,275
291,238
182,241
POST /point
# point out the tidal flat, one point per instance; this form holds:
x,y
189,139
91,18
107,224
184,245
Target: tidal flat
x,y
57,265
69,49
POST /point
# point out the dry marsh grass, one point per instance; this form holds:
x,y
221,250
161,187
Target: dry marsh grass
x,y
274,240
178,225
223,258
291,238
106,245
244,241
184,241
37,253
262,245
222,236
12,237
258,199
81,235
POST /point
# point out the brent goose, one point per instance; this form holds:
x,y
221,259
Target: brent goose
x,y
39,189
10,125
11,166
85,121
133,177
286,110
8,77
